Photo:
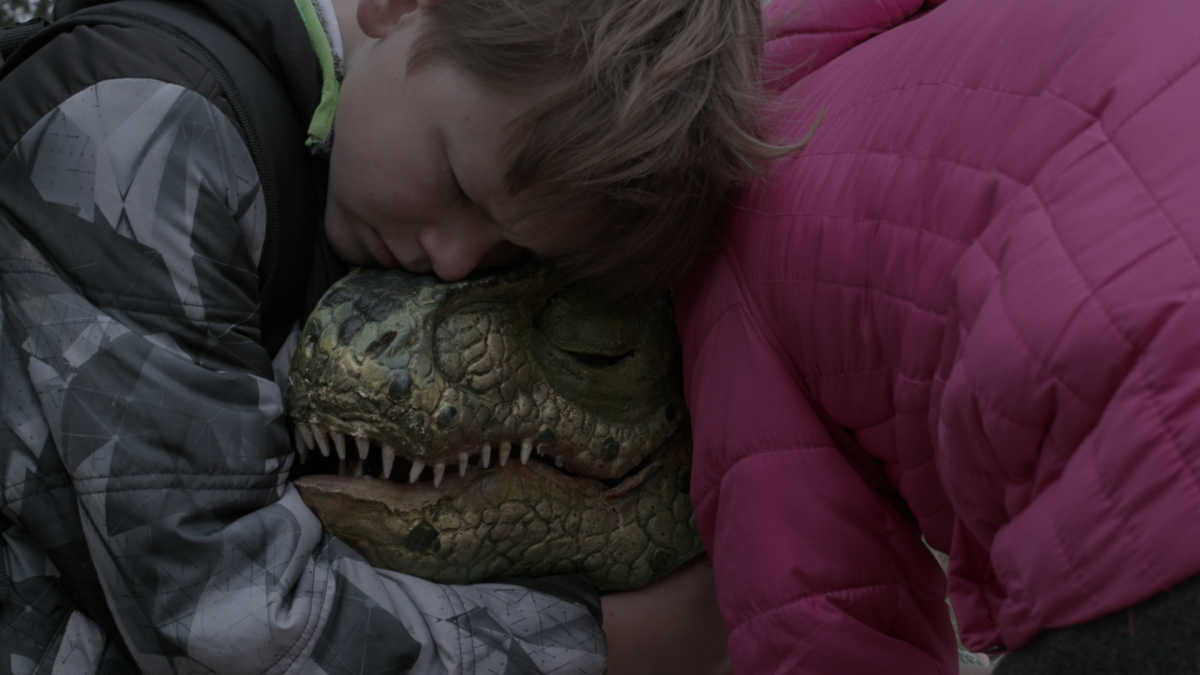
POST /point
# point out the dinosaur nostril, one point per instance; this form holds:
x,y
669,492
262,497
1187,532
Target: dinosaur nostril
x,y
378,344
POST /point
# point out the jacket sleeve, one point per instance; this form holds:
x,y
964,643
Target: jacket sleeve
x,y
815,571
147,448
44,631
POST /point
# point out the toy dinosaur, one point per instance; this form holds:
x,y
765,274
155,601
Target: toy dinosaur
x,y
501,426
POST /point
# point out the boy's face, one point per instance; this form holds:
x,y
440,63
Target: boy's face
x,y
418,164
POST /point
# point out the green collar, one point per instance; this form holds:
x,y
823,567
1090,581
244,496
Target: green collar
x,y
320,129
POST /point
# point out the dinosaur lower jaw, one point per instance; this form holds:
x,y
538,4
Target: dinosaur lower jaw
x,y
326,452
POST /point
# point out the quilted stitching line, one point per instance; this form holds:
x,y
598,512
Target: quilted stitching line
x,y
851,591
1172,432
156,306
1158,205
1132,372
753,311
1171,82
878,95
870,290
730,312
178,481
1022,340
1143,376
714,491
875,152
792,35
846,591
1126,532
1052,222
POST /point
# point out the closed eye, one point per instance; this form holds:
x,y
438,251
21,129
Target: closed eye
x,y
459,194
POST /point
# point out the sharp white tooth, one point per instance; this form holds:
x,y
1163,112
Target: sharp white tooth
x,y
463,459
558,461
339,442
439,471
526,450
415,472
485,455
301,448
364,446
505,451
389,458
306,437
322,440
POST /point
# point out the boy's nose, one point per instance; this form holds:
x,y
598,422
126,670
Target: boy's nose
x,y
456,249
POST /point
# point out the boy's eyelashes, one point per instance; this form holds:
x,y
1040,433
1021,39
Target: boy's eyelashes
x,y
460,196
457,188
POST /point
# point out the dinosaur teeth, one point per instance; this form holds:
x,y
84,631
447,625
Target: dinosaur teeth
x,y
415,472
389,458
322,440
305,435
314,436
339,443
301,447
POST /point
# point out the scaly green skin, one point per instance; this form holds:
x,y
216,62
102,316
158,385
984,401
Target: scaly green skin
x,y
435,370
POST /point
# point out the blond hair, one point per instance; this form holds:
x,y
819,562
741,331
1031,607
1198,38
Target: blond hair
x,y
653,118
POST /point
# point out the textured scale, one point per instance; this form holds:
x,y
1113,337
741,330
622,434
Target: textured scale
x,y
544,374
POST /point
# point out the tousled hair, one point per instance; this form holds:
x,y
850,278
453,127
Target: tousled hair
x,y
653,117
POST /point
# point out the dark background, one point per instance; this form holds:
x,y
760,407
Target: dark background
x,y
12,11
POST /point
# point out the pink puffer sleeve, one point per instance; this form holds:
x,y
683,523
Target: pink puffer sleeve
x,y
816,572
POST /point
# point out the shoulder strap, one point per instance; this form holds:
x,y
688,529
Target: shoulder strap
x,y
273,129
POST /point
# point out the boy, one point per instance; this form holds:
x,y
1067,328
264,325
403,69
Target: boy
x,y
148,521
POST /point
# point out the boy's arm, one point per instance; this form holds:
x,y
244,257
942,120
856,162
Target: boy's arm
x,y
43,630
145,420
671,626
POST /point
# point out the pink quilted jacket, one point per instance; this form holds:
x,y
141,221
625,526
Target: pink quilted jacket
x,y
968,309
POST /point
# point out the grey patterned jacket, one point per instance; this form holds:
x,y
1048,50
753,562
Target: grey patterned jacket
x,y
148,522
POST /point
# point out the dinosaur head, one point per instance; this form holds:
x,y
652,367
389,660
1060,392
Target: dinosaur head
x,y
500,426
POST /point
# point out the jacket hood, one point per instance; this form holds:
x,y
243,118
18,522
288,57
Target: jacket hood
x,y
274,32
